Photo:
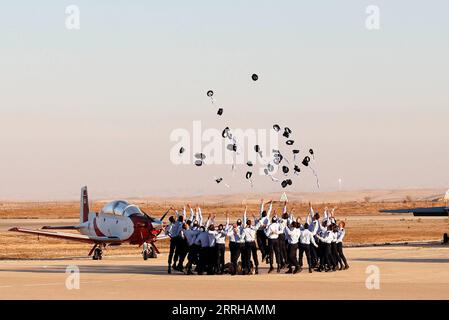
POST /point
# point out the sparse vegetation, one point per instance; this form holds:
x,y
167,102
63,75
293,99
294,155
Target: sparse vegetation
x,y
378,228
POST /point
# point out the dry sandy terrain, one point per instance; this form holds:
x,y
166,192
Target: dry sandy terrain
x,y
364,224
412,272
34,268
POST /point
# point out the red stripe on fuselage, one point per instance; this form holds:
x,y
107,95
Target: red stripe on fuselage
x,y
97,230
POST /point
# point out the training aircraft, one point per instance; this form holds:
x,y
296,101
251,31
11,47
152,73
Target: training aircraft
x,y
422,212
427,212
118,222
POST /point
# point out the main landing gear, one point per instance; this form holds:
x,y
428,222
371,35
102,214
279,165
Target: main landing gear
x,y
148,251
97,252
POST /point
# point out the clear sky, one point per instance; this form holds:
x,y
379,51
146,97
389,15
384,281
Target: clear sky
x,y
96,106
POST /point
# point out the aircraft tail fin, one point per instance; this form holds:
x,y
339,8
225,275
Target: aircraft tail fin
x,y
84,205
446,196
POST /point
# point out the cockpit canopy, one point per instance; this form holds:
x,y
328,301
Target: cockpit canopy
x,y
121,208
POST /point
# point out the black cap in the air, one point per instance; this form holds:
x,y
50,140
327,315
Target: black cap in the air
x,y
200,156
287,132
210,93
306,161
225,132
254,77
220,111
232,147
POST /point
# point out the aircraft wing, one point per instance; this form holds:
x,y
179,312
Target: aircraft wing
x,y
67,236
61,227
422,212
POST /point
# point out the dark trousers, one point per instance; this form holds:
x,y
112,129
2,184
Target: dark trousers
x,y
240,252
203,259
327,256
251,249
292,250
273,245
283,249
181,248
335,256
211,259
220,256
234,257
193,256
262,243
172,251
305,248
341,254
314,253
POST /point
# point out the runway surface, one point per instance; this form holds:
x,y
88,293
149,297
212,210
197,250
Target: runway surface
x,y
405,272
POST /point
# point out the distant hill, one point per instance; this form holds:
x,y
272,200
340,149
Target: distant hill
x,y
397,195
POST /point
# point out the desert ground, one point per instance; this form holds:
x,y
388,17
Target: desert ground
x,y
407,250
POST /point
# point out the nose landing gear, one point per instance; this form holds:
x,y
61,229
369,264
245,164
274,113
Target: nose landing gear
x,y
148,251
97,254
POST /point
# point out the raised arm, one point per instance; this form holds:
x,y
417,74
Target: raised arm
x,y
261,207
227,221
200,217
244,216
269,209
184,214
285,208
192,213
208,221
311,212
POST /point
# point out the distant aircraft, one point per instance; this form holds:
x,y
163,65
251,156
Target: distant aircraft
x,y
118,222
427,212
422,212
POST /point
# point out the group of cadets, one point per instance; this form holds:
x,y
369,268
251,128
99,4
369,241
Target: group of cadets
x,y
281,239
